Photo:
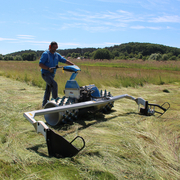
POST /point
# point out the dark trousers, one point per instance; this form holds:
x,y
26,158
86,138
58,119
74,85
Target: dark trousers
x,y
51,86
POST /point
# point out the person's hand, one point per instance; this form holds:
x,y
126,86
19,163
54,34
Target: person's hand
x,y
50,70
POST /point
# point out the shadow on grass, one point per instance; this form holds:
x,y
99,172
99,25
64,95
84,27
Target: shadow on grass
x,y
88,120
38,149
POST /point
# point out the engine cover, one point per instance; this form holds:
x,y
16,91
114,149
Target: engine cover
x,y
72,89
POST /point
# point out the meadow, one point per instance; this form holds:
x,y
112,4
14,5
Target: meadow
x,y
119,145
119,73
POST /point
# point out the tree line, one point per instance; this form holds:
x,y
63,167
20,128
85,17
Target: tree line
x,y
132,50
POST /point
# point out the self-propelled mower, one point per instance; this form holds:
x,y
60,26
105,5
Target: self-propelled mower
x,y
79,100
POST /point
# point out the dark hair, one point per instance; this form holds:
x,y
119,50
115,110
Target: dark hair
x,y
53,43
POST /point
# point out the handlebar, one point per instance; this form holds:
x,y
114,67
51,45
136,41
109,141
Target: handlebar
x,y
71,68
57,67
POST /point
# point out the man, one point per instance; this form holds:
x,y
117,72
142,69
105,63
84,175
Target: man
x,y
48,60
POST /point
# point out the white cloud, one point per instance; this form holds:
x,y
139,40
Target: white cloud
x,y
137,27
37,42
156,4
119,15
165,19
114,21
98,21
155,28
146,27
7,39
147,4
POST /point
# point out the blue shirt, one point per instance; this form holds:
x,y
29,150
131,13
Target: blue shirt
x,y
50,60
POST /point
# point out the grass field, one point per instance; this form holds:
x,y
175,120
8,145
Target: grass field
x,y
119,145
107,73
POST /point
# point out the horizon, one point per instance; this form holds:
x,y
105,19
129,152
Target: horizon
x,y
96,23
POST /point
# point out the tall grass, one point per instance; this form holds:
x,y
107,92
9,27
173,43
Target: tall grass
x,y
107,73
139,64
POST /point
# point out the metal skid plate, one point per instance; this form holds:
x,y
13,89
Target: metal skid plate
x,y
59,147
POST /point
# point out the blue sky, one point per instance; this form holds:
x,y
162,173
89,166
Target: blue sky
x,y
33,24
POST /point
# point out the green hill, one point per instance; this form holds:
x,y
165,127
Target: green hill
x,y
131,50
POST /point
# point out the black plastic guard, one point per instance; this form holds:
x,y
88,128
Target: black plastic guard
x,y
59,147
156,109
160,109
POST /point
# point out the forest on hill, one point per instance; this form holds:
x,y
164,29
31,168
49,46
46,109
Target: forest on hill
x,y
131,50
